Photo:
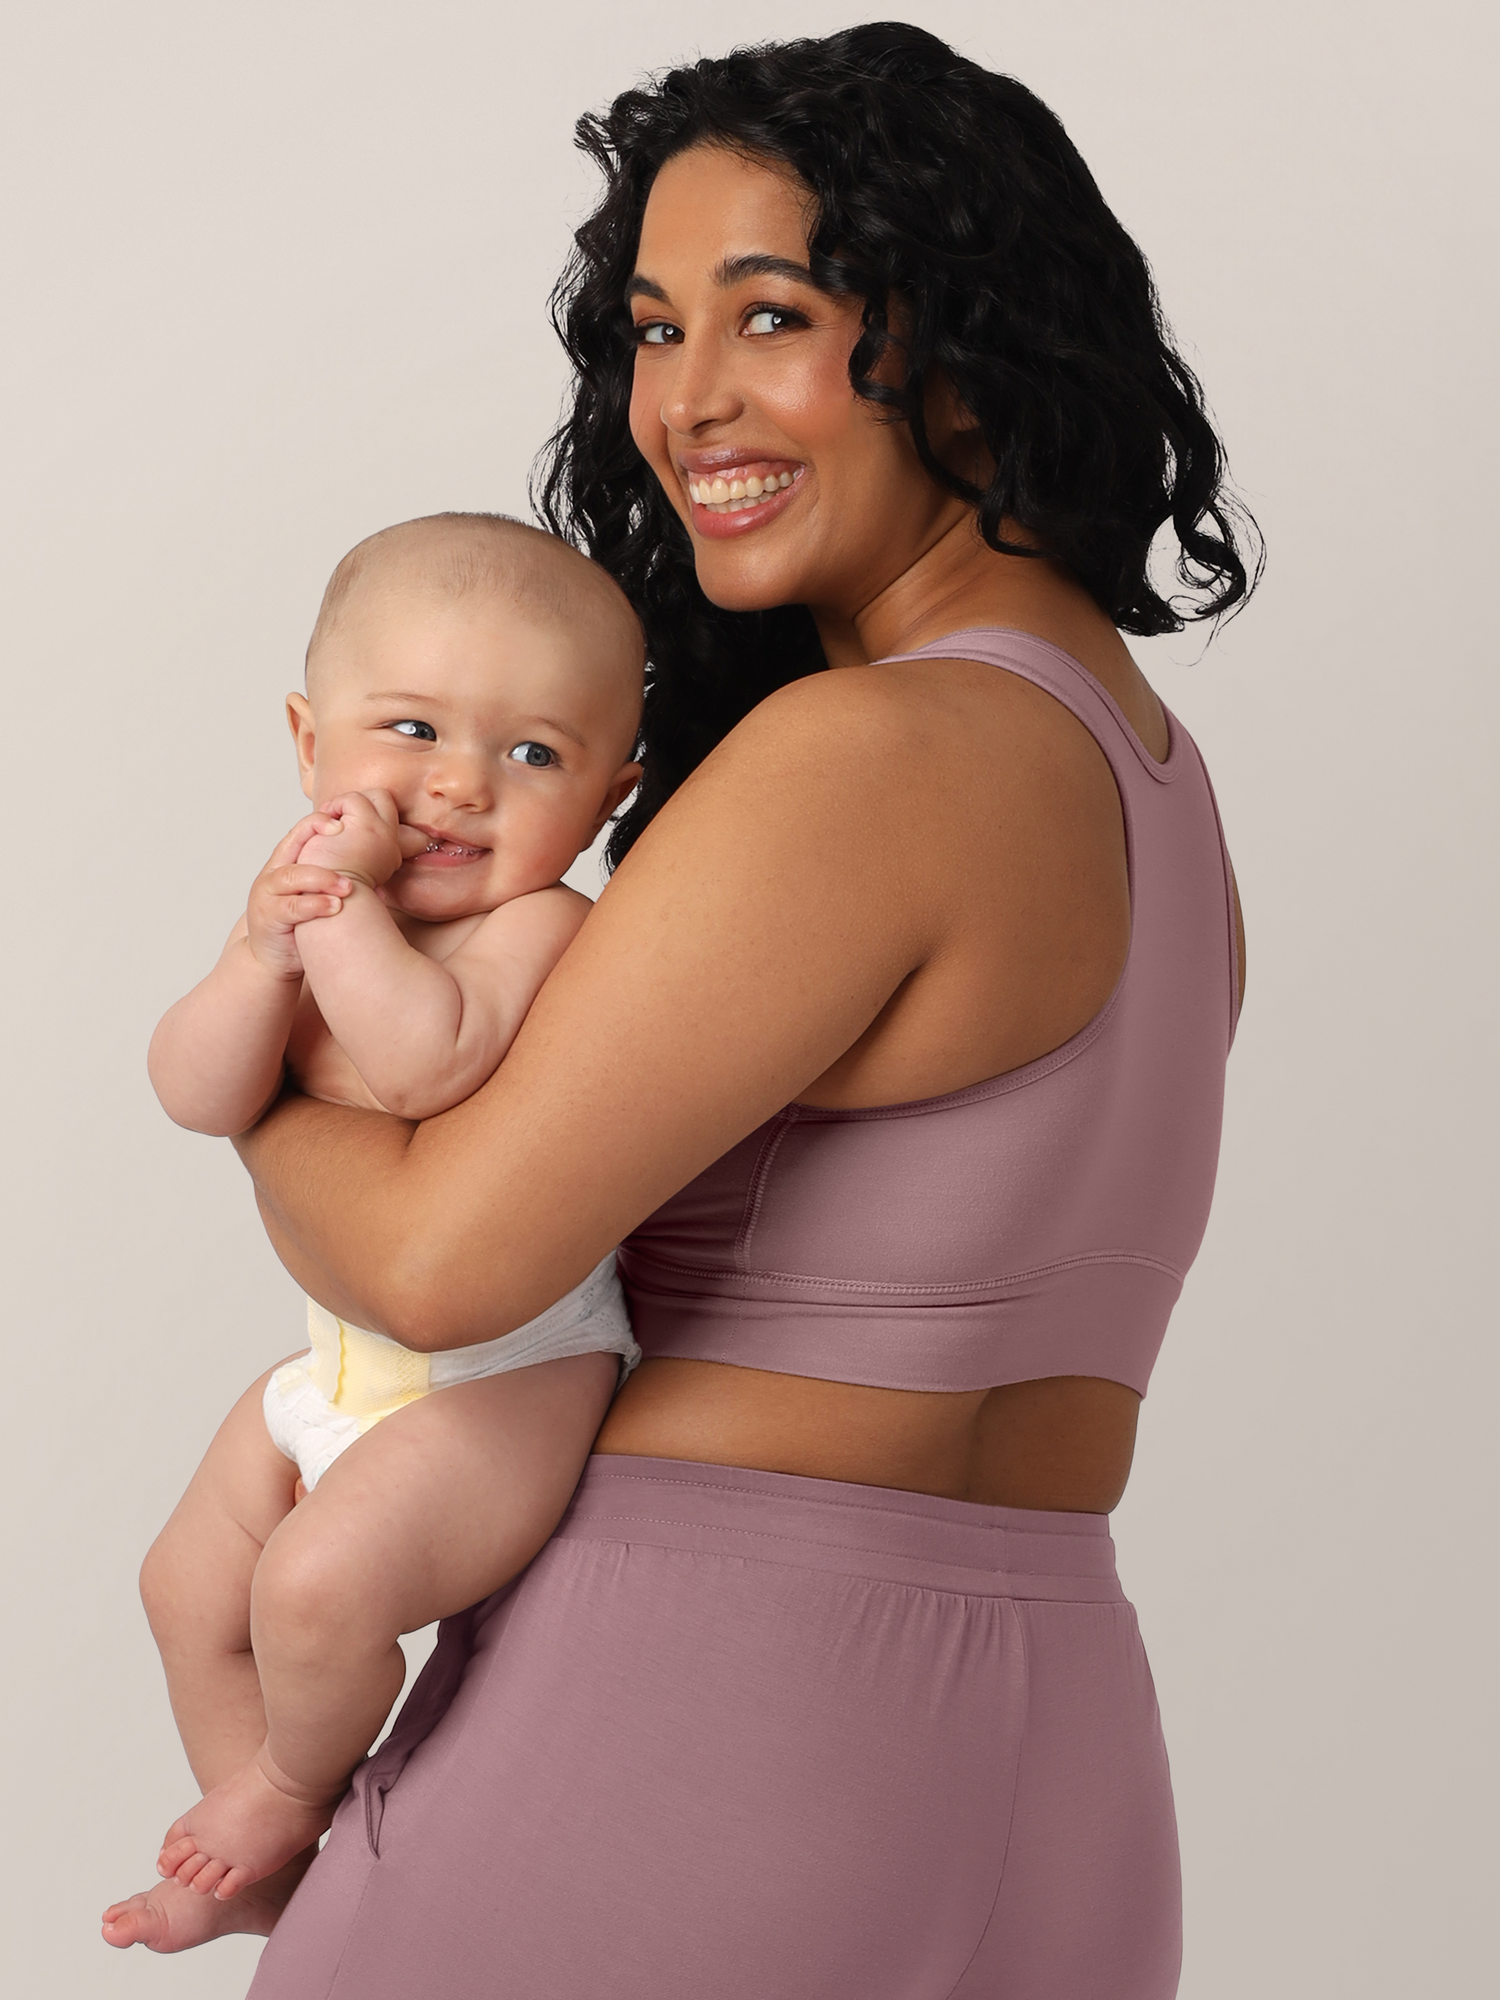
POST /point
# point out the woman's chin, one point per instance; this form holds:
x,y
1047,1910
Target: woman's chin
x,y
736,582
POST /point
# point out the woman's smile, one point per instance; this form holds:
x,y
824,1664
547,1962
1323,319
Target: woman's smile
x,y
742,390
741,496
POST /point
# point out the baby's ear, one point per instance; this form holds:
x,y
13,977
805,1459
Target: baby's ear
x,y
621,786
299,718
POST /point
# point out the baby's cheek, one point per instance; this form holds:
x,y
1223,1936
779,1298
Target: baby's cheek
x,y
548,852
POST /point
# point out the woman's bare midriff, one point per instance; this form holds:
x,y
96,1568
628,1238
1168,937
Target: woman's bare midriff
x,y
1063,1444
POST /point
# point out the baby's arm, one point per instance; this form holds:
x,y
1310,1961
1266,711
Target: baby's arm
x,y
216,1057
423,1033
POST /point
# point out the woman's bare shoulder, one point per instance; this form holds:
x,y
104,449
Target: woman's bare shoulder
x,y
897,747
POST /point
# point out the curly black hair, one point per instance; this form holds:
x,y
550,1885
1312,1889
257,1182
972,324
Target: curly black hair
x,y
956,191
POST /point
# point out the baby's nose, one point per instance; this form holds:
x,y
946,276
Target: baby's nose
x,y
461,781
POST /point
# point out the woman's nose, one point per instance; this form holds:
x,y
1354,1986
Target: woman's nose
x,y
701,389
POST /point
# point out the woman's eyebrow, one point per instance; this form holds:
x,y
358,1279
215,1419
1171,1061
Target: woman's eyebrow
x,y
730,271
735,270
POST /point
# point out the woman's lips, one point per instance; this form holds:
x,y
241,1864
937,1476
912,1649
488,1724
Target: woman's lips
x,y
735,499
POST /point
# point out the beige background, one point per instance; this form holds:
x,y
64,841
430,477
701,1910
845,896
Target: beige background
x,y
274,276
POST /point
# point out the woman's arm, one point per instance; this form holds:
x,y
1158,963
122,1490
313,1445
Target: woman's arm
x,y
813,866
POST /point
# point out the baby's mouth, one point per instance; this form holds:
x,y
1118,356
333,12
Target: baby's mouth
x,y
454,849
442,847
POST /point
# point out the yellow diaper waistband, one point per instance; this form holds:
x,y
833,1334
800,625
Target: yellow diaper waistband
x,y
362,1375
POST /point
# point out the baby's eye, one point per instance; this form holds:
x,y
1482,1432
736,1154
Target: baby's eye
x,y
658,333
422,732
533,753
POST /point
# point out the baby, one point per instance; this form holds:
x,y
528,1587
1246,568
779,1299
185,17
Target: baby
x,y
473,695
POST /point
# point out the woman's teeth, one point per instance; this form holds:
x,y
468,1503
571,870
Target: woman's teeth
x,y
732,492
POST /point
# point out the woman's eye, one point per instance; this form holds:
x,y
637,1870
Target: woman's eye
x,y
421,732
772,319
657,333
535,754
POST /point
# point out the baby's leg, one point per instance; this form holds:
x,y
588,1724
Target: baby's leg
x,y
195,1583
432,1510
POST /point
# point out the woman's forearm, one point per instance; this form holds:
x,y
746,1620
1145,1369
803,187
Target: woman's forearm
x,y
351,1213
304,1145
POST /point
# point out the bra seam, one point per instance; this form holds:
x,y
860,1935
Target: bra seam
x,y
755,1191
890,1290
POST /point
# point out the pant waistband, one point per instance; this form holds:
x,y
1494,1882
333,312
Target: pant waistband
x,y
869,1531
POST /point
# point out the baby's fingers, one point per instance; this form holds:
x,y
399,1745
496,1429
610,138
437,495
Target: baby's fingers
x,y
294,910
360,806
292,845
307,877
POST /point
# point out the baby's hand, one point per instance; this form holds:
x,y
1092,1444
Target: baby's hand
x,y
365,839
287,892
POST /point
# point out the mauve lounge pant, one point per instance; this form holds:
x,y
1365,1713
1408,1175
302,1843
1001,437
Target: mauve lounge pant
x,y
739,1736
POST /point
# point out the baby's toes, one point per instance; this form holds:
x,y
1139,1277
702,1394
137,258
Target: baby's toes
x,y
207,1878
175,1852
134,1921
233,1882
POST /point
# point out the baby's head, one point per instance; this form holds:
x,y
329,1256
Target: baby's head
x,y
489,677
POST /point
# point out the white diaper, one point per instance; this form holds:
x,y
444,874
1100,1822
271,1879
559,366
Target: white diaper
x,y
318,1404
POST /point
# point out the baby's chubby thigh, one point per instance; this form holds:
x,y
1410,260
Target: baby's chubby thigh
x,y
435,1507
199,1568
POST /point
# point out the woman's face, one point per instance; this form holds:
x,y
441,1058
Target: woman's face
x,y
793,489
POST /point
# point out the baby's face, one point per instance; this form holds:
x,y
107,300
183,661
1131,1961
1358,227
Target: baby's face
x,y
504,734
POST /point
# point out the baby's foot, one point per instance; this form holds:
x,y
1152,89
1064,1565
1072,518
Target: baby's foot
x,y
171,1918
242,1831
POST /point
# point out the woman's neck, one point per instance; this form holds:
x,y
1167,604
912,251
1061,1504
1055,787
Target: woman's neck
x,y
959,582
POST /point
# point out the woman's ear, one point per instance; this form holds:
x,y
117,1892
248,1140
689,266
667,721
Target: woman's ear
x,y
949,418
299,718
953,431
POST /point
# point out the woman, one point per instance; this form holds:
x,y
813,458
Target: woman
x,y
894,1055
